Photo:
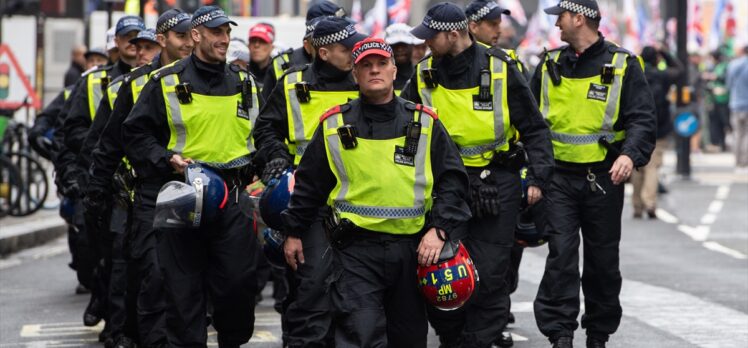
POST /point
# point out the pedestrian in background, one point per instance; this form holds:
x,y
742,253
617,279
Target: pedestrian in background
x,y
645,179
77,65
719,98
261,38
737,84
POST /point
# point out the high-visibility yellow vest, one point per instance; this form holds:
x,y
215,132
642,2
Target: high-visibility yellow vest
x,y
281,63
214,130
95,90
113,90
580,111
479,134
373,191
303,118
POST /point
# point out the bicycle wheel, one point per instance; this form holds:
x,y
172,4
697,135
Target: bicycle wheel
x,y
36,185
11,187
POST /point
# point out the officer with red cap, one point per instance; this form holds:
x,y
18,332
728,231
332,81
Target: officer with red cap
x,y
378,162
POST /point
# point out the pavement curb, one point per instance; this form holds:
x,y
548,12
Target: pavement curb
x,y
26,235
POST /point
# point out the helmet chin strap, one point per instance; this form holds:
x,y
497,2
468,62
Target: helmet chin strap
x,y
197,183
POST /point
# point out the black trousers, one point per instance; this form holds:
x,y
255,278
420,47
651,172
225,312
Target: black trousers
x,y
217,260
307,317
572,205
81,248
120,302
719,123
489,242
375,294
148,279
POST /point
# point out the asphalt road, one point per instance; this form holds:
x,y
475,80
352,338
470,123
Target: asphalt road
x,y
685,280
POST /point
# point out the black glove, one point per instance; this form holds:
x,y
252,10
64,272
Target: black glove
x,y
70,188
274,169
484,195
96,206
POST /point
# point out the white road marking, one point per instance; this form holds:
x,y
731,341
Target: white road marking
x,y
716,206
708,219
714,246
722,192
665,216
698,233
700,322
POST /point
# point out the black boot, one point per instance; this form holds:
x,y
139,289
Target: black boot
x,y
505,340
511,318
564,342
450,342
124,342
92,315
595,343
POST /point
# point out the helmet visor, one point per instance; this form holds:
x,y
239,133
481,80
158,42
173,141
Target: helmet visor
x,y
176,207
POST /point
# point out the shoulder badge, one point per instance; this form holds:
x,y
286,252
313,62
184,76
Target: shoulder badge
x,y
173,68
337,109
427,110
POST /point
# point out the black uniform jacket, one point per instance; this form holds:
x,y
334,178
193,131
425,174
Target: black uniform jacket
x,y
46,121
145,132
463,71
315,180
107,154
78,120
404,72
297,57
271,129
637,111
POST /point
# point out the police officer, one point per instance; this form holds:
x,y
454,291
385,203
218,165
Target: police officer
x,y
377,161
204,98
290,117
595,98
304,54
146,282
398,36
88,96
483,100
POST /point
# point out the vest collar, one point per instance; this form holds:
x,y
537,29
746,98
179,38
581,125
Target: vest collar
x,y
378,112
207,68
460,63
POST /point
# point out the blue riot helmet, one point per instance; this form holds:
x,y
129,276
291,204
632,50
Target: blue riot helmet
x,y
275,198
526,233
272,247
67,209
192,203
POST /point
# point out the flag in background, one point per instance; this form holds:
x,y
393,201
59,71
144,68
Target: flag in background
x,y
541,29
376,19
695,30
631,35
357,16
609,22
518,12
398,11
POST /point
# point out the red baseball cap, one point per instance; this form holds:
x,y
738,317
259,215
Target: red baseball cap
x,y
369,46
262,31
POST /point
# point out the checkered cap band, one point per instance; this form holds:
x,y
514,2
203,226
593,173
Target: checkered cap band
x,y
207,18
444,26
171,22
334,37
371,45
483,11
577,8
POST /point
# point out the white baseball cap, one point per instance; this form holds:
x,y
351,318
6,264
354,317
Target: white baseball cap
x,y
400,33
110,39
237,50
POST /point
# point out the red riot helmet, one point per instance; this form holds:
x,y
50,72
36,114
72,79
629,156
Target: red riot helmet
x,y
449,283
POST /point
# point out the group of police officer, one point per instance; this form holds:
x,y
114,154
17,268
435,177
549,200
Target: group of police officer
x,y
394,163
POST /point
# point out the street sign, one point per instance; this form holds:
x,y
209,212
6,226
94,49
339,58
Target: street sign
x,y
686,124
10,74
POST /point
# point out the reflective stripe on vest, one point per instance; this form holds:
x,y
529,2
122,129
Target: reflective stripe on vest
x,y
112,92
278,64
372,190
578,117
137,86
209,129
478,134
303,118
95,94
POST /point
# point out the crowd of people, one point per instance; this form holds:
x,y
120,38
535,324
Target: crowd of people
x,y
401,160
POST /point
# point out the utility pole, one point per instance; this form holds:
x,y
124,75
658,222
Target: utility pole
x,y
683,166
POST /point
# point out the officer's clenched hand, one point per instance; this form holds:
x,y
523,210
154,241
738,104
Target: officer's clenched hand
x,y
534,195
274,169
179,163
429,248
621,169
489,201
294,252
